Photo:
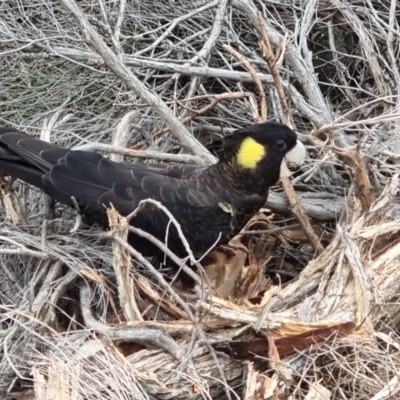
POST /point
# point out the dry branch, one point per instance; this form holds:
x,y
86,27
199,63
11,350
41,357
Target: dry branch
x,y
333,318
148,154
257,81
196,113
133,83
299,212
126,333
295,205
272,61
360,176
10,202
122,266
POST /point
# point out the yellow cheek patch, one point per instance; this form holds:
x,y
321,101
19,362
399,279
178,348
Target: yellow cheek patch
x,y
250,153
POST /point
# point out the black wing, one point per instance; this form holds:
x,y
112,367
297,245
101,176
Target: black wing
x,y
62,173
96,183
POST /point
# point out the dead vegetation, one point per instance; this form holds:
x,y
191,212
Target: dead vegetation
x,y
312,312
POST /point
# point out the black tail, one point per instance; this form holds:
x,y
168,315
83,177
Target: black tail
x,y
48,167
26,158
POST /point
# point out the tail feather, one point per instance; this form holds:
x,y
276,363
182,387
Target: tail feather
x,y
20,170
29,150
20,156
61,173
54,155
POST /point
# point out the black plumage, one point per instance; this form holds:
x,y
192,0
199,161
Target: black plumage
x,y
211,204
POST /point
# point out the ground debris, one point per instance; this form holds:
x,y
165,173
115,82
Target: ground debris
x,y
312,310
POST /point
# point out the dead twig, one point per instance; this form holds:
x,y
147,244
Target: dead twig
x,y
216,98
10,202
272,61
125,332
359,175
295,205
147,154
246,64
134,83
122,267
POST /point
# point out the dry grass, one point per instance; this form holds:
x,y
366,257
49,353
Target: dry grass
x,y
84,316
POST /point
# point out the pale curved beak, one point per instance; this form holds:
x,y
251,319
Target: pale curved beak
x,y
295,157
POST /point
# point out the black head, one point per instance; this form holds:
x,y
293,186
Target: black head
x,y
256,143
253,155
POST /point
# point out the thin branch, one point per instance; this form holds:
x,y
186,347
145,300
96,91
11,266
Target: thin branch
x,y
273,65
132,82
295,205
246,64
147,154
